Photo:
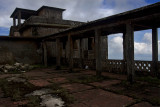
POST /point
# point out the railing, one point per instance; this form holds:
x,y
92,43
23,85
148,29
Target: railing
x,y
143,66
116,65
91,63
113,65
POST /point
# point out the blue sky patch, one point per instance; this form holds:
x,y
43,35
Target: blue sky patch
x,y
4,31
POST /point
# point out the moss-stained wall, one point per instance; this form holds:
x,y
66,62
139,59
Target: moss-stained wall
x,y
24,51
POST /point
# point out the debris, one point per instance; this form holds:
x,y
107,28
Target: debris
x,y
16,79
51,101
48,100
18,67
39,92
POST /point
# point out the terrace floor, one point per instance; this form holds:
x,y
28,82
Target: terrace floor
x,y
84,89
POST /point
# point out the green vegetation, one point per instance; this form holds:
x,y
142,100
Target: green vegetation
x,y
151,80
38,66
141,90
88,79
16,90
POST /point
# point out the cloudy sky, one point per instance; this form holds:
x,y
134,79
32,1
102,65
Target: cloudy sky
x,y
88,10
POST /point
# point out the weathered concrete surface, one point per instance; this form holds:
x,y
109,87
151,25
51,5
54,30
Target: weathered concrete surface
x,y
23,51
105,84
75,87
86,95
143,104
100,98
39,82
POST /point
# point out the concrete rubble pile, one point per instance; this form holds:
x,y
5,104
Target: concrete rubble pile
x,y
17,67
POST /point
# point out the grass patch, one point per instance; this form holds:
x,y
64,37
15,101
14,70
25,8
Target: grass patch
x,y
139,90
151,80
34,101
38,66
88,79
17,92
154,101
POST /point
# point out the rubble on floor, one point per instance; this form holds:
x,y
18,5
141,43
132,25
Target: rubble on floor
x,y
17,67
48,100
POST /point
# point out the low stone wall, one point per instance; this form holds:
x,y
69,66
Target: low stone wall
x,y
23,50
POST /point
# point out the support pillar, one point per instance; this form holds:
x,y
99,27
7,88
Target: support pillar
x,y
98,52
124,52
155,51
19,18
70,42
104,48
44,53
14,22
80,53
58,52
129,52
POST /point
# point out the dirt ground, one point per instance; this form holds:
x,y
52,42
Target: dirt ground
x,y
87,90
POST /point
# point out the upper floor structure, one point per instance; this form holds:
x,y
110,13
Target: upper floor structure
x,y
45,21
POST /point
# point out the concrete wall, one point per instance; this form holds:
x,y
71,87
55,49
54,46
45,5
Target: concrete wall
x,y
51,52
51,13
27,32
21,50
43,31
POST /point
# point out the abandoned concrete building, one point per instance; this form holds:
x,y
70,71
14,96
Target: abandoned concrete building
x,y
46,20
43,40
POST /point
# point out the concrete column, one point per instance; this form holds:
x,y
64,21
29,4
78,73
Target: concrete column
x,y
44,53
104,41
58,52
19,18
70,43
155,50
129,51
124,51
98,52
124,46
14,22
80,53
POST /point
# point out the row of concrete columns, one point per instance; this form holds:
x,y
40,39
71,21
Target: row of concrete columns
x,y
128,53
19,19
